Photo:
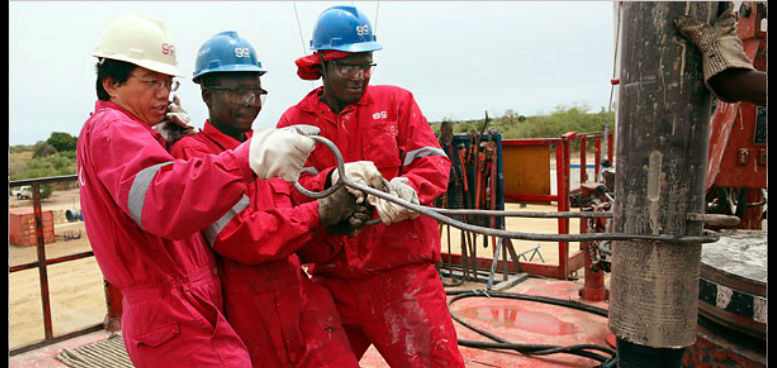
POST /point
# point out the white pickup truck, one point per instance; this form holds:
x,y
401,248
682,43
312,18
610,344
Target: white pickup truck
x,y
25,192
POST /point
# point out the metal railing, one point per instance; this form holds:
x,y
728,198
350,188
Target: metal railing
x,y
42,264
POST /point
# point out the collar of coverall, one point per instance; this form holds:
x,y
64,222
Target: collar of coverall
x,y
223,140
312,102
309,67
103,105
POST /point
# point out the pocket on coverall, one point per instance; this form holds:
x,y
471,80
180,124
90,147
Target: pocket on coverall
x,y
150,327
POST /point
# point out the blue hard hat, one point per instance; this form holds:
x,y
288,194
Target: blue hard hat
x,y
226,52
344,28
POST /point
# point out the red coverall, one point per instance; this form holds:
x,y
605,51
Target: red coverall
x,y
284,319
384,282
143,211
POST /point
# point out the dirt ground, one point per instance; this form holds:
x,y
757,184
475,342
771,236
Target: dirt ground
x,y
76,287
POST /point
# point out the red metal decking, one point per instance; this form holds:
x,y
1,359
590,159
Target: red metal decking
x,y
524,322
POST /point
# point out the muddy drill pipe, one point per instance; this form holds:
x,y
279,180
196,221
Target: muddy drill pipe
x,y
662,133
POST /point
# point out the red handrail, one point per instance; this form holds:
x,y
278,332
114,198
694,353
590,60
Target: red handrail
x,y
42,263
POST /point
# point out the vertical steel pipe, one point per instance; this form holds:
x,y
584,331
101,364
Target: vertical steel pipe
x,y
663,127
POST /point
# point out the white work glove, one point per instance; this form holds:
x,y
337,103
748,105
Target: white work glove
x,y
281,153
390,212
719,44
176,124
362,172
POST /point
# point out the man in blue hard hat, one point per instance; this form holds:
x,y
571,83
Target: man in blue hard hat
x,y
283,318
383,280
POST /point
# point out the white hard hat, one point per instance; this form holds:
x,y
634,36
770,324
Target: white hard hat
x,y
140,40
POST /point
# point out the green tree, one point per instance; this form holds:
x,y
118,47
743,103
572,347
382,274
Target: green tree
x,y
55,164
43,149
62,141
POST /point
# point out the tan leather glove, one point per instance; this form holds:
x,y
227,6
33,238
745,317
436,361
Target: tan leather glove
x,y
176,124
391,212
362,172
280,153
719,44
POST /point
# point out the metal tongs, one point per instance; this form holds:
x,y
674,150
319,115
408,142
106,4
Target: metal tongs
x,y
439,214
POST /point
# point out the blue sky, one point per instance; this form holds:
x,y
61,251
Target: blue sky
x,y
459,58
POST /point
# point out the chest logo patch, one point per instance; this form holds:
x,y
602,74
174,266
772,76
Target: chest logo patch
x,y
379,115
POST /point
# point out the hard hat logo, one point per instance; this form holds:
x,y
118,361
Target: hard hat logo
x,y
362,30
243,52
168,49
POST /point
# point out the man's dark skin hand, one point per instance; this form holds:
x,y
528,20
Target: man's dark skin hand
x,y
740,85
728,72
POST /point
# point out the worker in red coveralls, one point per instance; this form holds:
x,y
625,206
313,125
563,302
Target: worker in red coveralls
x,y
144,210
383,281
284,319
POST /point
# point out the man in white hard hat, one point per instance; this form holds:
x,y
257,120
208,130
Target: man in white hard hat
x,y
144,210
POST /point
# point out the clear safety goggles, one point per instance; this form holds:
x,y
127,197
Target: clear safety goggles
x,y
349,70
243,94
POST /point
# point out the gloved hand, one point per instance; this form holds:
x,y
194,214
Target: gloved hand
x,y
353,224
362,172
176,124
719,44
281,152
390,212
336,207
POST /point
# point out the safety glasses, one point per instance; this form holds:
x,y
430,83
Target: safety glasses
x,y
249,93
158,84
347,69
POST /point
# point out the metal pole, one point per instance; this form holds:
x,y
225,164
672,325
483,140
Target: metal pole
x,y
663,123
42,271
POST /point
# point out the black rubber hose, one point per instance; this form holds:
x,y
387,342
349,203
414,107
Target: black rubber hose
x,y
521,348
532,349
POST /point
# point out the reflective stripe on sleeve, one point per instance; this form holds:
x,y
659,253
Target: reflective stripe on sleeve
x,y
137,194
421,152
215,228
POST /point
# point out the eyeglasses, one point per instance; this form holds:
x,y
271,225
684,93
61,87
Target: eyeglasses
x,y
157,84
347,69
250,92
